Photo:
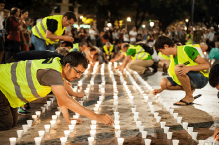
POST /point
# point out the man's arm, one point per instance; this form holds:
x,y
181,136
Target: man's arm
x,y
61,95
112,54
104,57
124,63
71,92
121,55
51,36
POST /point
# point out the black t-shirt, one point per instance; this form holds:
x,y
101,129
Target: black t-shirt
x,y
52,25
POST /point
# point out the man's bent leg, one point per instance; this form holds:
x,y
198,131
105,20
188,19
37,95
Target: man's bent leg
x,y
6,118
39,44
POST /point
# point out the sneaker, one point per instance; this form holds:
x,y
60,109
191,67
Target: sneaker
x,y
22,110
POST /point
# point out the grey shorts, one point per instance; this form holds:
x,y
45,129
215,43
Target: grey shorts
x,y
197,80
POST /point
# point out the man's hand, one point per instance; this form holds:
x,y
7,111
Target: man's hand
x,y
67,38
120,67
105,119
80,95
112,60
215,134
184,69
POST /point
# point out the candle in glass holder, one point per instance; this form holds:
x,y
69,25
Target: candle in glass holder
x,y
54,117
93,127
92,133
117,127
34,117
38,113
53,122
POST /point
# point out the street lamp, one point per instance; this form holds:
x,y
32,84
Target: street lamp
x,y
109,24
128,19
81,17
143,26
187,20
151,24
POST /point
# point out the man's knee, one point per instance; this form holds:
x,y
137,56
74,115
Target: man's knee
x,y
163,83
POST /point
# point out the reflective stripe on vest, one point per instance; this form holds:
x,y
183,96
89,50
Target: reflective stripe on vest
x,y
183,58
108,52
140,52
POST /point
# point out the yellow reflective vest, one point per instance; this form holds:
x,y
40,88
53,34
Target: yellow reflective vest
x,y
163,56
18,80
76,45
140,52
108,52
40,28
183,58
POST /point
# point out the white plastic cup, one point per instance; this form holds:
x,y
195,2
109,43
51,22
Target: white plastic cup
x,y
175,115
190,130
48,103
120,141
93,127
54,117
136,118
37,140
171,111
41,133
46,106
66,132
116,122
179,119
141,128
117,117
169,135
138,124
58,113
155,114
201,142
58,108
117,127
19,133
152,110
149,103
90,140
185,125
63,140
75,116
73,122
116,113
38,113
29,123
34,117
25,127
71,128
158,118
93,122
194,135
43,109
175,142
166,129
144,134
12,140
118,133
162,124
147,141
53,122
92,133
136,113
47,127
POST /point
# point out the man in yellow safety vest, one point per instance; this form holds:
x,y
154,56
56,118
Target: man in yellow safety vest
x,y
108,52
188,70
50,30
136,59
26,81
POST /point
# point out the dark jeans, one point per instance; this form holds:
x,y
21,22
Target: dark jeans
x,y
8,115
14,47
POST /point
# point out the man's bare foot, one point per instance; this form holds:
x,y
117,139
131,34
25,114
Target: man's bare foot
x,y
156,91
185,101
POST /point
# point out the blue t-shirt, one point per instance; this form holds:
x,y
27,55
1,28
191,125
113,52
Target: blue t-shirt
x,y
214,54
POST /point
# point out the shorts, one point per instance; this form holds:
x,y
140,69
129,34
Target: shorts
x,y
197,80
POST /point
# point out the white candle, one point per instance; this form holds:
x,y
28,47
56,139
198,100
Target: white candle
x,y
179,119
190,130
120,141
194,135
41,133
141,128
133,110
25,128
116,122
147,141
144,134
166,129
58,113
34,117
116,113
138,124
117,127
19,133
155,114
93,122
162,124
54,117
29,123
117,133
158,118
117,117
38,113
136,118
171,111
47,127
63,140
93,127
96,109
175,142
43,109
53,122
91,140
92,133
71,128
136,113
169,135
12,140
75,116
66,132
185,125
73,122
175,115
37,140
48,103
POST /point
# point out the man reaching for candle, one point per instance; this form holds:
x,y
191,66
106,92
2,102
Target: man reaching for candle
x,y
20,82
188,70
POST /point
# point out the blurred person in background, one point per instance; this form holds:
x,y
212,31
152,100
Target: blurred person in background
x,y
2,6
93,34
197,35
139,36
105,36
168,32
211,37
13,29
144,36
205,36
183,38
75,35
108,52
189,38
25,38
133,35
68,31
115,36
217,39
82,34
125,36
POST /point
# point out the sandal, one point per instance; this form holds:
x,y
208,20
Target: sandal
x,y
187,102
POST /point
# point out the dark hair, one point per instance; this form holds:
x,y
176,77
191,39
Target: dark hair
x,y
23,11
82,44
126,45
213,76
27,19
68,44
14,11
70,15
161,41
2,1
74,58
